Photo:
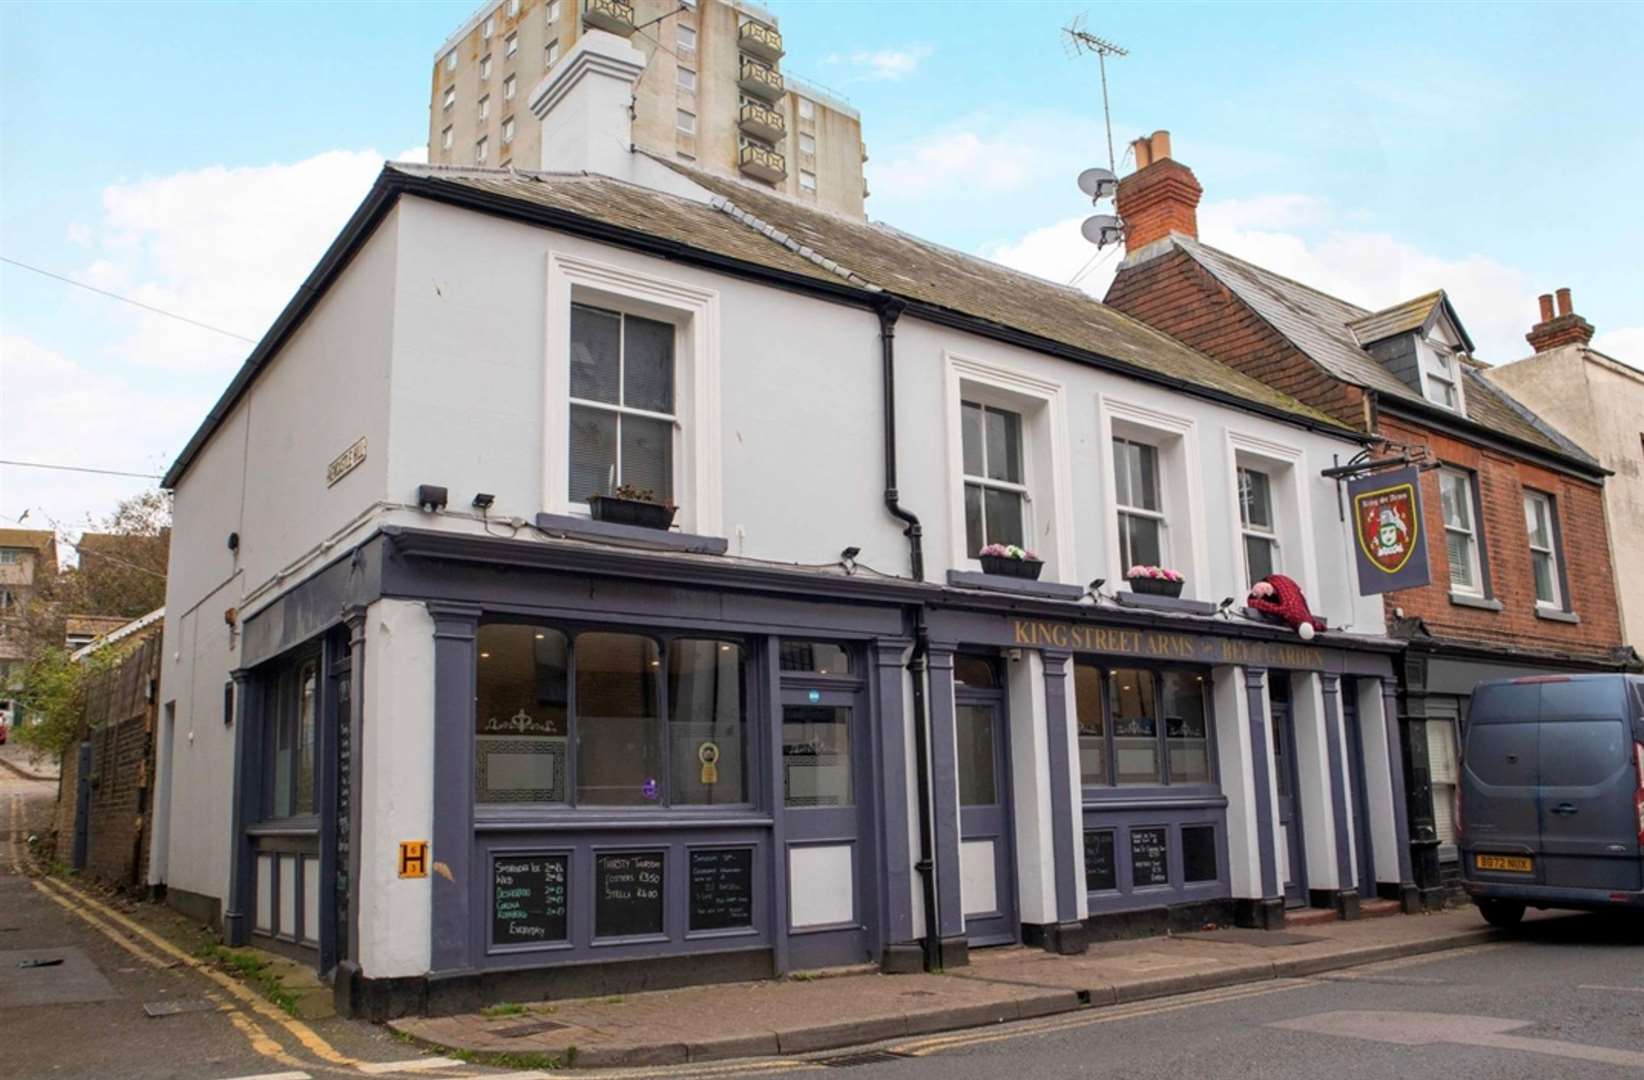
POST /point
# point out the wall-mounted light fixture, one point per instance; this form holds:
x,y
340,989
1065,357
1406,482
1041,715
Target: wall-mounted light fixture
x,y
483,501
431,497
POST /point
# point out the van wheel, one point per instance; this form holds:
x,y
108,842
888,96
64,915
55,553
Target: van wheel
x,y
1502,913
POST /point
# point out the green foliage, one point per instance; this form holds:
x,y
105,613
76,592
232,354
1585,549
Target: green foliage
x,y
50,690
253,969
506,1008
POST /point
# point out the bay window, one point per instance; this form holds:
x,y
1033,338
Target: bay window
x,y
995,487
1256,522
622,418
1461,540
1545,561
1142,539
606,718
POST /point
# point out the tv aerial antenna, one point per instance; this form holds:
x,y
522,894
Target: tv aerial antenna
x,y
1080,41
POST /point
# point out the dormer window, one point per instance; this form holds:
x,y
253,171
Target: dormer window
x,y
1440,375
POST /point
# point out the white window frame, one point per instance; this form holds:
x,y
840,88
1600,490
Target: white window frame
x,y
1437,366
450,98
550,52
485,66
1125,510
552,11
807,109
804,138
1181,486
509,86
508,131
9,556
1046,458
685,78
987,483
1285,466
510,44
685,122
451,60
484,106
513,8
482,150
1545,502
1476,540
1250,530
488,27
698,461
446,138
807,180
685,37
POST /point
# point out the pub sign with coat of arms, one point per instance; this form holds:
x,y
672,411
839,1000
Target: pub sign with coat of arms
x,y
1389,540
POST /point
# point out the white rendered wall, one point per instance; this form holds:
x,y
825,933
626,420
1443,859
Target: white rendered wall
x,y
396,787
1030,789
1233,750
1313,791
1378,781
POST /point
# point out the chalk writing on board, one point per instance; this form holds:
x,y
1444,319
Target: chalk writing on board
x,y
628,894
528,898
1149,857
721,888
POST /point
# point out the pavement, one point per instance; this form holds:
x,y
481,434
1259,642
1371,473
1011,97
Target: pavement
x,y
1001,986
20,762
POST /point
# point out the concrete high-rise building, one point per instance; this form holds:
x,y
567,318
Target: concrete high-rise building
x,y
712,95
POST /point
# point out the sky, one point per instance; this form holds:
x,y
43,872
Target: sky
x,y
199,157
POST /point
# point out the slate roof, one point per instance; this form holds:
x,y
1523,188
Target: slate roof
x,y
1323,327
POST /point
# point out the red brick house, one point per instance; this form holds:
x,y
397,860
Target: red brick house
x,y
1522,582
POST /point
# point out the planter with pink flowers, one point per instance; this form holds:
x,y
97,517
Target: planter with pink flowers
x,y
1155,580
1009,560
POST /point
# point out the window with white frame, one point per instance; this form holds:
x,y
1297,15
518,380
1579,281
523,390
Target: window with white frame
x,y
513,8
485,66
450,98
8,556
1143,539
552,11
550,53
807,109
508,130
1440,374
451,60
685,122
445,138
1461,539
623,417
807,143
485,106
807,180
481,151
509,85
511,43
686,78
488,27
996,492
685,37
1544,554
1258,525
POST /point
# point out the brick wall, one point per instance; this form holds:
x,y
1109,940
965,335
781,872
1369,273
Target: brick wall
x,y
120,725
1175,294
1501,481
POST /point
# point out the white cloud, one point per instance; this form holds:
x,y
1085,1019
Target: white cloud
x,y
882,65
1624,343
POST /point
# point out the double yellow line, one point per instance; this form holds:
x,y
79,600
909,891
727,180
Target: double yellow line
x,y
964,1039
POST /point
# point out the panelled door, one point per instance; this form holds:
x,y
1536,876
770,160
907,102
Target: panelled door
x,y
1290,822
986,853
824,801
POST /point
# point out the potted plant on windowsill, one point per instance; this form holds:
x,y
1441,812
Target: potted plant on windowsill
x,y
628,505
1008,560
1155,580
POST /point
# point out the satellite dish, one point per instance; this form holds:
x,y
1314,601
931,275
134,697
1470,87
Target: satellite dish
x,y
1098,183
1103,229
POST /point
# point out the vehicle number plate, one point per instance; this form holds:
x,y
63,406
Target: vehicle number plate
x,y
1503,862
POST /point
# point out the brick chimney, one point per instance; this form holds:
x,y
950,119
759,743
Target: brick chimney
x,y
1160,197
1564,328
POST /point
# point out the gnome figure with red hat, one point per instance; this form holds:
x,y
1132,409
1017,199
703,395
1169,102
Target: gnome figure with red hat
x,y
1280,598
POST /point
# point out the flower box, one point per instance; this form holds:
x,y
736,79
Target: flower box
x,y
1006,566
1155,586
639,512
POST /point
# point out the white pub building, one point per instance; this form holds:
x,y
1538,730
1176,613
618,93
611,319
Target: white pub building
x,y
455,710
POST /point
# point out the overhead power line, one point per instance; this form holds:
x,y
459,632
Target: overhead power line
x,y
127,300
79,468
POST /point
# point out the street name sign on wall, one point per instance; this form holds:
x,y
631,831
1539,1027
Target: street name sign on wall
x,y
1389,543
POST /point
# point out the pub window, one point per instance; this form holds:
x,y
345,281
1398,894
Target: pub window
x,y
816,756
995,488
976,672
622,404
292,712
1186,733
814,658
1142,529
1256,522
1087,698
648,722
1135,726
1140,726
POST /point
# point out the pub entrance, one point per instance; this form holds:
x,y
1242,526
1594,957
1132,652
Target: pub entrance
x,y
1285,782
987,853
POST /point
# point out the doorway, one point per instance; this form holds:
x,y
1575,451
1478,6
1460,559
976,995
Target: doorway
x,y
987,857
1362,846
1284,780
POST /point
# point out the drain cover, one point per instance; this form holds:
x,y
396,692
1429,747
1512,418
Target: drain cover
x,y
866,1057
531,1027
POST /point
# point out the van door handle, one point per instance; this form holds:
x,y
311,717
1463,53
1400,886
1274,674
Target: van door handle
x,y
1566,808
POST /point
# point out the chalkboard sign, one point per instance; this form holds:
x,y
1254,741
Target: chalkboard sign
x,y
528,898
1101,874
721,888
628,894
1149,857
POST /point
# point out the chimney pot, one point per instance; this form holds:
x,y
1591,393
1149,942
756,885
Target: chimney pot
x,y
1564,301
1160,145
1546,307
1143,151
1161,197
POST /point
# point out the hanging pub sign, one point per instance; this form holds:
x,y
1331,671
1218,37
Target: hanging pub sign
x,y
1390,542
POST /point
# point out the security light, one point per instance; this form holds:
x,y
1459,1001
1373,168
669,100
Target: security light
x,y
483,500
431,498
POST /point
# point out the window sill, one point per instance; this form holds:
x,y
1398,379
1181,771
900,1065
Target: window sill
x,y
1558,615
573,527
1479,602
1051,590
1164,603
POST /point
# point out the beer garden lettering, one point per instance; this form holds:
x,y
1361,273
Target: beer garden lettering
x,y
1162,645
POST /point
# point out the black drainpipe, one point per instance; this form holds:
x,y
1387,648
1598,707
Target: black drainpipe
x,y
889,311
